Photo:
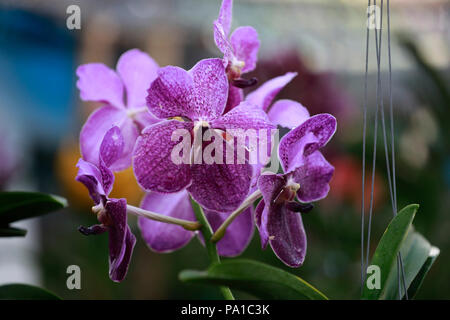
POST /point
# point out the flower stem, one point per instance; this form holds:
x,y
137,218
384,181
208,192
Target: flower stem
x,y
220,232
186,224
206,230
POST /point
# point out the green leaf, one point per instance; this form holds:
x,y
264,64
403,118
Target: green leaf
x,y
12,232
385,256
17,291
415,251
258,279
23,205
418,280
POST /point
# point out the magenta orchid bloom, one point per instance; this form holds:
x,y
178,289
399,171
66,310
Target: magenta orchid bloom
x,y
189,100
306,178
135,72
240,52
241,48
161,237
111,213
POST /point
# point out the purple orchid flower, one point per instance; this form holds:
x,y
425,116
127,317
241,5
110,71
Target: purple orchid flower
x,y
306,178
162,237
241,48
194,100
240,52
111,213
135,72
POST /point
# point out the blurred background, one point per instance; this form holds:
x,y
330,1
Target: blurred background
x,y
324,41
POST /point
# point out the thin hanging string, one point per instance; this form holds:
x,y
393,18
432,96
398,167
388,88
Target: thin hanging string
x,y
391,182
363,267
391,115
381,102
400,269
369,228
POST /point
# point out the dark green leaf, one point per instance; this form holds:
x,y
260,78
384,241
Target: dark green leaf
x,y
385,256
12,232
23,205
418,280
17,291
258,279
414,251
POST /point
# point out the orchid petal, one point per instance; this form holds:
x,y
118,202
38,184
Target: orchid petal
x,y
153,165
91,177
198,94
235,97
225,15
287,235
210,89
245,43
220,187
95,128
314,177
163,237
271,185
121,240
288,114
119,271
97,82
112,146
264,95
244,116
137,70
302,141
222,42
261,223
170,93
238,234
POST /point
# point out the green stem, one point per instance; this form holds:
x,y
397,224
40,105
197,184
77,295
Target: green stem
x,y
211,248
220,232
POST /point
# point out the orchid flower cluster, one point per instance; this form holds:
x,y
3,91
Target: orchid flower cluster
x,y
144,105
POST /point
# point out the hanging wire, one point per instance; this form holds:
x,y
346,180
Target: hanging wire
x,y
391,115
363,267
369,228
391,181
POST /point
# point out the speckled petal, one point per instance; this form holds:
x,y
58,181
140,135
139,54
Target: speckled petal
x,y
222,42
238,234
121,240
137,70
120,270
91,177
220,187
314,177
112,146
288,114
244,116
271,185
163,237
97,82
300,142
287,236
95,128
245,43
235,97
264,95
152,161
170,94
210,89
225,15
261,223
